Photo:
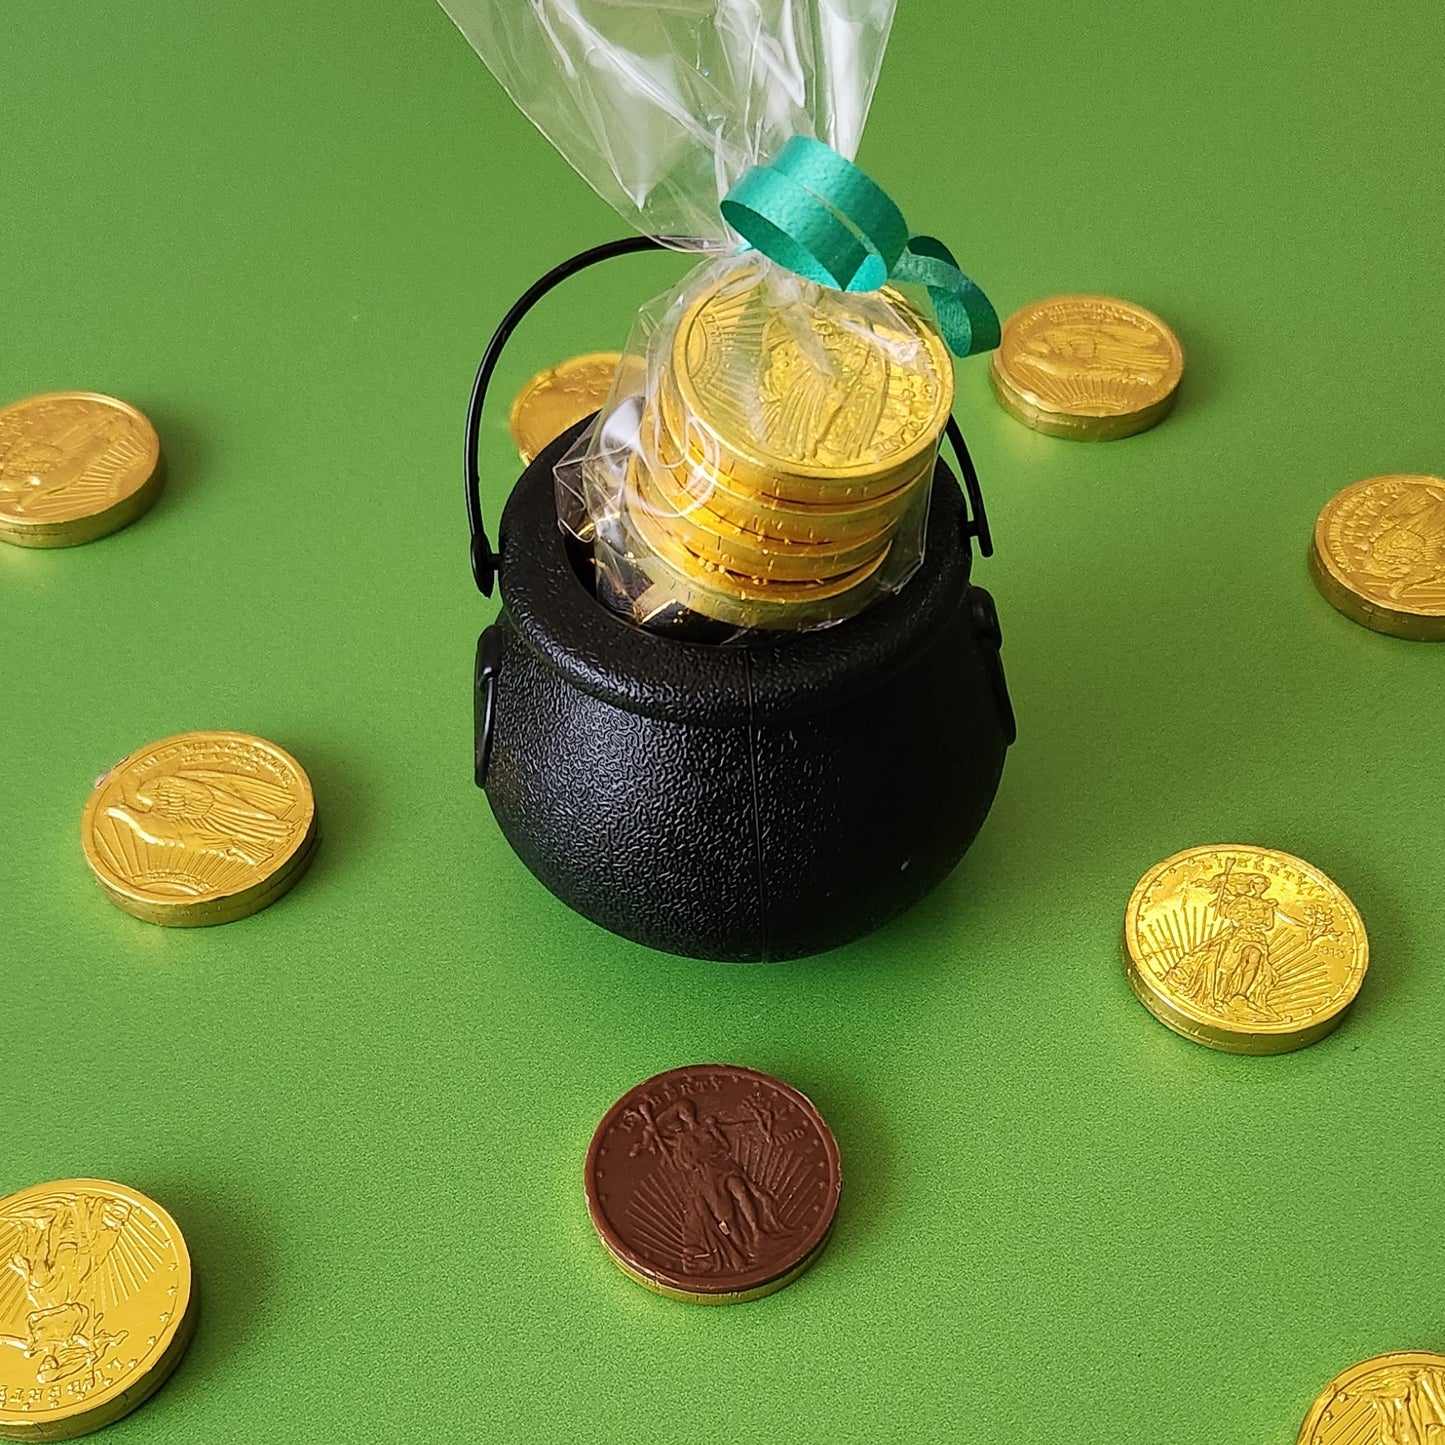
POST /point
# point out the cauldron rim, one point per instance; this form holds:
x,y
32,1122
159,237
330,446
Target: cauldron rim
x,y
763,678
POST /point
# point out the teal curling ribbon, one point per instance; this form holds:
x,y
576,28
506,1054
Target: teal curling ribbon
x,y
821,216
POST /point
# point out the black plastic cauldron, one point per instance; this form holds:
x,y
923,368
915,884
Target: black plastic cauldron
x,y
760,799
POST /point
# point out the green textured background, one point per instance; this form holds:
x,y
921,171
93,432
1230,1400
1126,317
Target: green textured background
x,y
285,232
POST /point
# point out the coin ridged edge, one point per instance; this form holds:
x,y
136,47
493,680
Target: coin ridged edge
x,y
92,527
127,1401
724,1297
1238,1041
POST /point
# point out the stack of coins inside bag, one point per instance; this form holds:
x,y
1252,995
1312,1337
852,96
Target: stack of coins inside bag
x,y
766,456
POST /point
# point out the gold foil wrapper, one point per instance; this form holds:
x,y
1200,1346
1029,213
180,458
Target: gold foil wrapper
x,y
766,462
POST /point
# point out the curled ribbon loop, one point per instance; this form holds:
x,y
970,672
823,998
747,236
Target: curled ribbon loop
x,y
819,215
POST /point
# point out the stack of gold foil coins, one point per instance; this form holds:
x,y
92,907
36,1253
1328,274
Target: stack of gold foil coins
x,y
786,451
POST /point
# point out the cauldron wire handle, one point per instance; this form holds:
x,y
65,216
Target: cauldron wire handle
x,y
975,523
484,559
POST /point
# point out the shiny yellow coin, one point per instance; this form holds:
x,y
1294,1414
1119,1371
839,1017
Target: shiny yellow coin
x,y
712,536
200,828
679,576
97,1307
1244,949
796,390
1394,1399
74,465
694,445
559,398
745,586
687,481
1379,555
1087,367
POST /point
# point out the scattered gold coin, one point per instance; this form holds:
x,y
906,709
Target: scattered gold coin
x,y
201,828
1087,367
1244,949
1394,1399
73,466
100,1306
1379,555
560,397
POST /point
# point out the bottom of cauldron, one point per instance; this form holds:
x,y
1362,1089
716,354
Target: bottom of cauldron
x,y
762,799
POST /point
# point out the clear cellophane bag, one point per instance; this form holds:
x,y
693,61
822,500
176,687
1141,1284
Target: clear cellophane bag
x,y
765,456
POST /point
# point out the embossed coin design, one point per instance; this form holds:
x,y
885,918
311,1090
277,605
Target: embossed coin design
x,y
1087,367
1394,1399
559,397
201,828
1244,949
74,465
1378,555
713,1184
794,394
97,1306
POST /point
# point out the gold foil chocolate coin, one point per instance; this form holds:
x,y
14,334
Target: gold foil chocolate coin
x,y
1394,1399
1379,555
1088,367
560,397
201,828
793,392
1244,949
74,465
713,1184
708,534
97,1306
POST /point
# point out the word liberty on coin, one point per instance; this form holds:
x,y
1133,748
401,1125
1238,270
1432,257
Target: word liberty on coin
x,y
74,466
1091,368
201,828
1378,555
1394,1399
713,1184
559,398
97,1311
1244,949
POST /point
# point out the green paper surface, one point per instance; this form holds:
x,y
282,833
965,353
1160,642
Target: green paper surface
x,y
286,235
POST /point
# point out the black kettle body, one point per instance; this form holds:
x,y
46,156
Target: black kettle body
x,y
760,799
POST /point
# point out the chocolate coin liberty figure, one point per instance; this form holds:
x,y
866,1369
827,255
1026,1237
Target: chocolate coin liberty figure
x,y
731,1215
713,1184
